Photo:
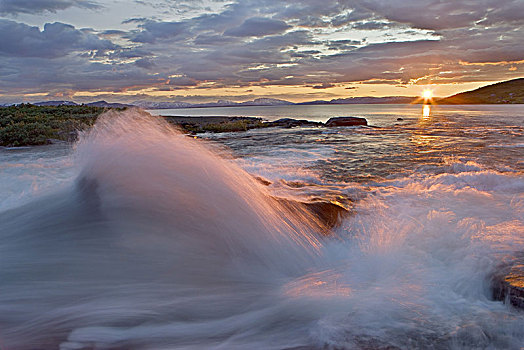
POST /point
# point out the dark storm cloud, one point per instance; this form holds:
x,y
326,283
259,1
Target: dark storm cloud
x,y
60,57
505,12
135,20
213,39
343,45
151,31
446,14
371,25
280,42
298,9
232,16
323,86
30,74
36,6
270,42
145,63
55,40
182,81
130,53
357,14
113,32
258,27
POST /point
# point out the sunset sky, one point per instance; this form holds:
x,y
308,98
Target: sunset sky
x,y
201,51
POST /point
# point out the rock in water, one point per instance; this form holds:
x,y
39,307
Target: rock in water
x,y
346,121
290,123
327,215
508,285
263,181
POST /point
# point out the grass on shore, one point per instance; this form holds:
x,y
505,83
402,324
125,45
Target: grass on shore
x,y
227,126
26,124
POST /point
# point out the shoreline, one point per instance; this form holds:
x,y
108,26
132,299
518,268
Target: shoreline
x,y
200,124
195,125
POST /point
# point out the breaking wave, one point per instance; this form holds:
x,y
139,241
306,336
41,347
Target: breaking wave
x,y
159,243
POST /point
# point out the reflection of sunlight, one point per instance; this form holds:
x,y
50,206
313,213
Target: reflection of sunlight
x,y
426,111
426,141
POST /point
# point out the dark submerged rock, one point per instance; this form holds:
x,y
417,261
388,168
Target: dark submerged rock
x,y
290,123
400,119
216,124
294,184
508,284
263,181
328,215
227,124
346,121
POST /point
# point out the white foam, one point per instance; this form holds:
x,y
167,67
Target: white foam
x,y
161,244
417,259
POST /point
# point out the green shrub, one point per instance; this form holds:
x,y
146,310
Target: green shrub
x,y
22,133
26,124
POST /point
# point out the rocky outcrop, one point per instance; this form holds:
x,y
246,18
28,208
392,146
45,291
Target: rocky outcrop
x,y
216,124
328,215
263,181
508,284
290,123
228,124
346,121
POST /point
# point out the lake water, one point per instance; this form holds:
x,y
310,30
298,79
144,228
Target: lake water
x,y
324,112
139,237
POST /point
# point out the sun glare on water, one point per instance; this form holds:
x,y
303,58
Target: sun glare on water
x,y
426,111
427,95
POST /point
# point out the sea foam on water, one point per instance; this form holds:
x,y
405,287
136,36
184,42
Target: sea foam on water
x,y
159,243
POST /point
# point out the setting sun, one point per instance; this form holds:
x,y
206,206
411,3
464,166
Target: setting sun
x,y
427,94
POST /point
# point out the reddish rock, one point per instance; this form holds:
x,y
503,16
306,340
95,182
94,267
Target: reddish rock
x,y
346,121
291,123
326,215
508,284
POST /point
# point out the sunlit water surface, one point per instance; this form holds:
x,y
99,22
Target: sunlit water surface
x,y
142,238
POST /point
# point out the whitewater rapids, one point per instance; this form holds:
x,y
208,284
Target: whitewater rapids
x,y
157,242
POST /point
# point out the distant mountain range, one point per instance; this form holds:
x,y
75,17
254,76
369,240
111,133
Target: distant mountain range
x,y
168,105
508,92
71,103
272,102
364,100
226,103
220,103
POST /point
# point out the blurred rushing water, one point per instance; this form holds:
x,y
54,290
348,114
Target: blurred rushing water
x,y
139,237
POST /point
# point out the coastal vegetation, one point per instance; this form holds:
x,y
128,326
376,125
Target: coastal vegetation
x,y
30,125
26,124
506,92
195,125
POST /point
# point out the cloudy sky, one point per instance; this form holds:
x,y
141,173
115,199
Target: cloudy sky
x,y
205,50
